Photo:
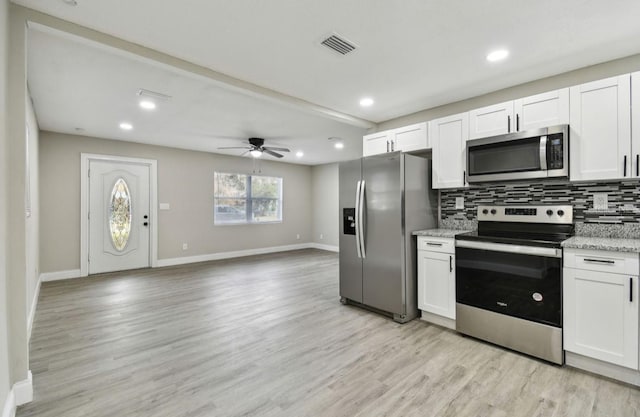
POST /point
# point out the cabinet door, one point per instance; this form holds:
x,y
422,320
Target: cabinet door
x,y
376,143
448,138
491,120
437,283
635,124
542,110
411,138
600,122
601,316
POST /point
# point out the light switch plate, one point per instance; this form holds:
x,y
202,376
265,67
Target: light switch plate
x,y
165,206
600,201
459,203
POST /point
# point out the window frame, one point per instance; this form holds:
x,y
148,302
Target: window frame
x,y
249,200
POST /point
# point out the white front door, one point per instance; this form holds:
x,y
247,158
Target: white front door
x,y
118,216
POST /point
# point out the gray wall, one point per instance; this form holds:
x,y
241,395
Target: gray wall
x,y
32,221
568,79
324,183
4,347
185,181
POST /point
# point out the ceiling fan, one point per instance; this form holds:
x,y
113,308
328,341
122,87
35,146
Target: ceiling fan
x,y
256,148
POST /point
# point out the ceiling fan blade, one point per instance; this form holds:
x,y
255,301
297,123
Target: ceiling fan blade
x,y
235,147
276,149
267,151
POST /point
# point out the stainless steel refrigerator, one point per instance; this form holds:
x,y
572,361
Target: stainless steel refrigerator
x,y
383,199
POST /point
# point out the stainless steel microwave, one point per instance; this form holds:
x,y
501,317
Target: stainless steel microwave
x,y
539,153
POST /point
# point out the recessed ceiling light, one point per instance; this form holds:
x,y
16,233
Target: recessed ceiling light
x,y
339,145
299,154
366,102
497,55
126,126
256,153
147,104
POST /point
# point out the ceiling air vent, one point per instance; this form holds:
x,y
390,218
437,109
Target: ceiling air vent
x,y
338,44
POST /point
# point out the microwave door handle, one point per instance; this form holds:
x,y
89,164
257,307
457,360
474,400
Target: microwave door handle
x,y
543,153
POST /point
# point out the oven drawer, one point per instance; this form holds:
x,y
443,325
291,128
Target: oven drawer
x,y
602,261
436,244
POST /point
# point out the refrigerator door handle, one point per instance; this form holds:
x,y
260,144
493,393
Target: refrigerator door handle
x,y
361,218
358,219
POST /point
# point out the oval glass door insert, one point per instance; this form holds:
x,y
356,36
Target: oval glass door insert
x,y
120,214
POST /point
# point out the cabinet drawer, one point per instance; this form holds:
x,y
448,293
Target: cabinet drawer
x,y
436,244
602,261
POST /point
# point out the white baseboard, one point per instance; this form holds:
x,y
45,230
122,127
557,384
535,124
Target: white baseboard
x,y
322,246
58,275
630,376
75,273
9,409
23,390
32,310
228,255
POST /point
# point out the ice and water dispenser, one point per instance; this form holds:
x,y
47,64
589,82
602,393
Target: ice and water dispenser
x,y
349,221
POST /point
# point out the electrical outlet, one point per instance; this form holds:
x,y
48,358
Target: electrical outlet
x,y
298,236
321,236
459,203
600,201
185,246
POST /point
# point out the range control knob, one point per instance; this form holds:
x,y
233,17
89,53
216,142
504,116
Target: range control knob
x,y
549,212
485,211
560,213
493,211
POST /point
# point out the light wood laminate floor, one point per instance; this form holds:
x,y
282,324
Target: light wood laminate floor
x,y
267,336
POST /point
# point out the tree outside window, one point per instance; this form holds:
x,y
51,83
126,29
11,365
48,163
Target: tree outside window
x,y
240,199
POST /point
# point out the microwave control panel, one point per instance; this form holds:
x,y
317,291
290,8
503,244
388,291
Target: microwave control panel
x,y
555,151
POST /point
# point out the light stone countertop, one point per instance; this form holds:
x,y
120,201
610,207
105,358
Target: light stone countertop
x,y
439,232
603,243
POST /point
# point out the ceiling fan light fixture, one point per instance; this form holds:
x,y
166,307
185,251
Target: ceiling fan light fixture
x,y
256,153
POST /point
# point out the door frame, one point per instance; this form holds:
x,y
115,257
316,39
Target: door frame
x,y
85,159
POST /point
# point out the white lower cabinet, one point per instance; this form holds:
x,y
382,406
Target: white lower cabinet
x,y
437,276
600,305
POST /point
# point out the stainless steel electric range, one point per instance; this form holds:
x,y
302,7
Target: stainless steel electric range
x,y
509,278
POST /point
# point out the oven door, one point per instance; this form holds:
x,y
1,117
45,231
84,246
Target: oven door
x,y
519,281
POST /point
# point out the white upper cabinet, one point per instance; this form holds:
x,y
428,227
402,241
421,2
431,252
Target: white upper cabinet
x,y
375,143
491,120
635,123
533,112
448,138
600,136
406,139
542,110
410,138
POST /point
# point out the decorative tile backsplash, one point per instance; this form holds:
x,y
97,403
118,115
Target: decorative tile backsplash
x,y
623,199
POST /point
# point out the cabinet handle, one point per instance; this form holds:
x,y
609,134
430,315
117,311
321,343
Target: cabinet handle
x,y
637,165
508,124
434,244
625,166
600,261
464,177
450,263
517,122
392,145
387,146
631,290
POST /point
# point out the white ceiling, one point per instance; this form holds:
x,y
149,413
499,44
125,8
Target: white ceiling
x,y
77,84
412,54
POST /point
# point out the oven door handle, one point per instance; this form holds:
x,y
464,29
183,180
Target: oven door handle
x,y
519,249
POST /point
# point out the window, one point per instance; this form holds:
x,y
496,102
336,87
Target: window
x,y
240,198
